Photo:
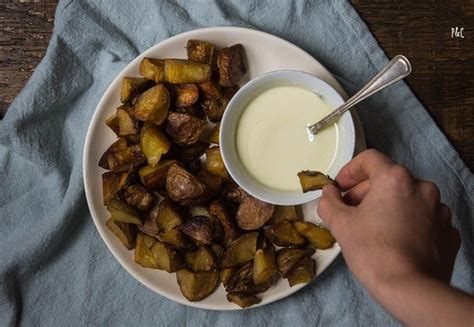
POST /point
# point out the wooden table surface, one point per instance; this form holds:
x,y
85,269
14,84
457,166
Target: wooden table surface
x,y
443,63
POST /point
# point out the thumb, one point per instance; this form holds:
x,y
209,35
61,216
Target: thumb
x,y
332,209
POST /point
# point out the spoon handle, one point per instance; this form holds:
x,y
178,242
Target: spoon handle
x,y
399,67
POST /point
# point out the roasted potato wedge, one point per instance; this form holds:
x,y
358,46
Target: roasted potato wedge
x,y
196,286
182,186
119,145
218,209
212,182
149,226
112,123
123,160
234,193
175,238
213,109
253,213
153,69
281,213
231,64
166,258
284,234
317,236
240,250
120,211
143,255
138,197
125,232
167,215
243,300
184,129
185,95
214,135
153,143
200,229
264,266
112,183
242,281
287,258
313,180
151,253
201,260
153,105
127,126
226,273
155,177
131,86
201,51
214,163
303,272
180,71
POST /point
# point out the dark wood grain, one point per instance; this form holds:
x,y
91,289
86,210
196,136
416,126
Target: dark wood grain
x,y
443,67
443,76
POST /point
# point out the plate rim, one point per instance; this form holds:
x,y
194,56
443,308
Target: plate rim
x,y
94,121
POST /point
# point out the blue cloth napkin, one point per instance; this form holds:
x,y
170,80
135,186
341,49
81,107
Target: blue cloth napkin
x,y
54,268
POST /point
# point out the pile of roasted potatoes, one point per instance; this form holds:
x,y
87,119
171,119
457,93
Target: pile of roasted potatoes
x,y
170,197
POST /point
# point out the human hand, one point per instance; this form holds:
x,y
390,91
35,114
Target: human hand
x,y
389,224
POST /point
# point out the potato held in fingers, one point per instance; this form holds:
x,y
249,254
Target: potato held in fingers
x,y
179,71
314,180
317,236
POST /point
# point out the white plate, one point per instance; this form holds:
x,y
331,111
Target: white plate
x,y
265,53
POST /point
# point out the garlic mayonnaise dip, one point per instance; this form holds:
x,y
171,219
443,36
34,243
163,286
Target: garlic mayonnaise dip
x,y
272,139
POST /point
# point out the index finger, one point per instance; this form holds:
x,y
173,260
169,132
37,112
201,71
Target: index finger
x,y
363,166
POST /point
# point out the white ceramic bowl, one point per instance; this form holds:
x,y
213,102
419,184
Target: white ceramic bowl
x,y
344,127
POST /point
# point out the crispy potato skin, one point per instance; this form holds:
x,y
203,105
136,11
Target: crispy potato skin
x,y
185,94
181,185
200,229
218,209
253,213
184,129
131,86
214,135
112,183
201,51
154,178
287,258
243,300
240,250
137,196
303,272
231,64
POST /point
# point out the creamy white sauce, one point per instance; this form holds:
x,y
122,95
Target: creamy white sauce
x,y
272,138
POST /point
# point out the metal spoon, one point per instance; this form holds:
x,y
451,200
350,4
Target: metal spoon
x,y
398,68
